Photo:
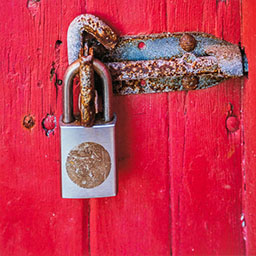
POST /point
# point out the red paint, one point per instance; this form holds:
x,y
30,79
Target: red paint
x,y
49,122
179,170
206,174
232,123
205,161
34,219
249,126
28,122
137,221
141,45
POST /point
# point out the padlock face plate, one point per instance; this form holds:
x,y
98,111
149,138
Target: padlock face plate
x,y
88,167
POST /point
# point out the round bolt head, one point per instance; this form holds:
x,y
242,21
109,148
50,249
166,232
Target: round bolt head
x,y
187,42
232,123
189,82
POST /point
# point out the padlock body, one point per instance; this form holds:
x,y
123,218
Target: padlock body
x,y
88,160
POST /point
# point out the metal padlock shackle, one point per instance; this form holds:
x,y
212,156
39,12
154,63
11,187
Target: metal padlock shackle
x,y
70,73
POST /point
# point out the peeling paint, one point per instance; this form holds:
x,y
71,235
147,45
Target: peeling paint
x,y
49,124
33,6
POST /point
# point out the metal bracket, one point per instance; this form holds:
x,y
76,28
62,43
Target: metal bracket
x,y
159,62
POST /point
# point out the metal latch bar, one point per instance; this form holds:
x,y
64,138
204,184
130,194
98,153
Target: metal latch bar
x,y
159,62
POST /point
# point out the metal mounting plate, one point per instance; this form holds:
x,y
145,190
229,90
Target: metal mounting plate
x,y
158,63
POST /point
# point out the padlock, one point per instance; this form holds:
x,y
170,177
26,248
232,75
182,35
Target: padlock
x,y
88,153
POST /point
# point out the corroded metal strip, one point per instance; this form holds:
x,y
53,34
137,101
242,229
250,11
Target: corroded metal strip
x,y
229,59
87,105
175,83
189,64
163,62
186,73
167,46
162,65
92,25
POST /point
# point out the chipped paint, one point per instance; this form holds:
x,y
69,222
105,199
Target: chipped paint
x,y
49,124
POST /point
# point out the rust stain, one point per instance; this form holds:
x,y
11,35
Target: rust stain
x,y
190,60
189,82
87,91
158,85
88,165
231,152
29,122
97,28
189,64
187,42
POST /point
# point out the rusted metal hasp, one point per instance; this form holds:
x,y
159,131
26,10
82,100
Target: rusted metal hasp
x,y
162,62
92,25
83,30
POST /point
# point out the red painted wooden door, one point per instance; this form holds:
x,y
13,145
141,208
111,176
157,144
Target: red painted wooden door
x,y
183,165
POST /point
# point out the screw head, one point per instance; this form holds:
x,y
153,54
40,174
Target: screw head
x,y
189,82
187,42
28,121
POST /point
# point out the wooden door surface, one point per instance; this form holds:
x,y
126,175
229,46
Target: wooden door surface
x,y
185,160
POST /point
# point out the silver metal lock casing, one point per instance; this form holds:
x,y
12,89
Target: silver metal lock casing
x,y
74,152
87,153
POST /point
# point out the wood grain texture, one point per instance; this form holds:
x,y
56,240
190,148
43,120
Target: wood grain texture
x,y
205,158
137,221
206,175
34,219
179,169
249,125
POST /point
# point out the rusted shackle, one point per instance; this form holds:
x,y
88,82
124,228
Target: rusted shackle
x,y
89,24
92,25
70,73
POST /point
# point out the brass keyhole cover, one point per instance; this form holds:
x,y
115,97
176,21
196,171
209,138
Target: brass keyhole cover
x,y
88,164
